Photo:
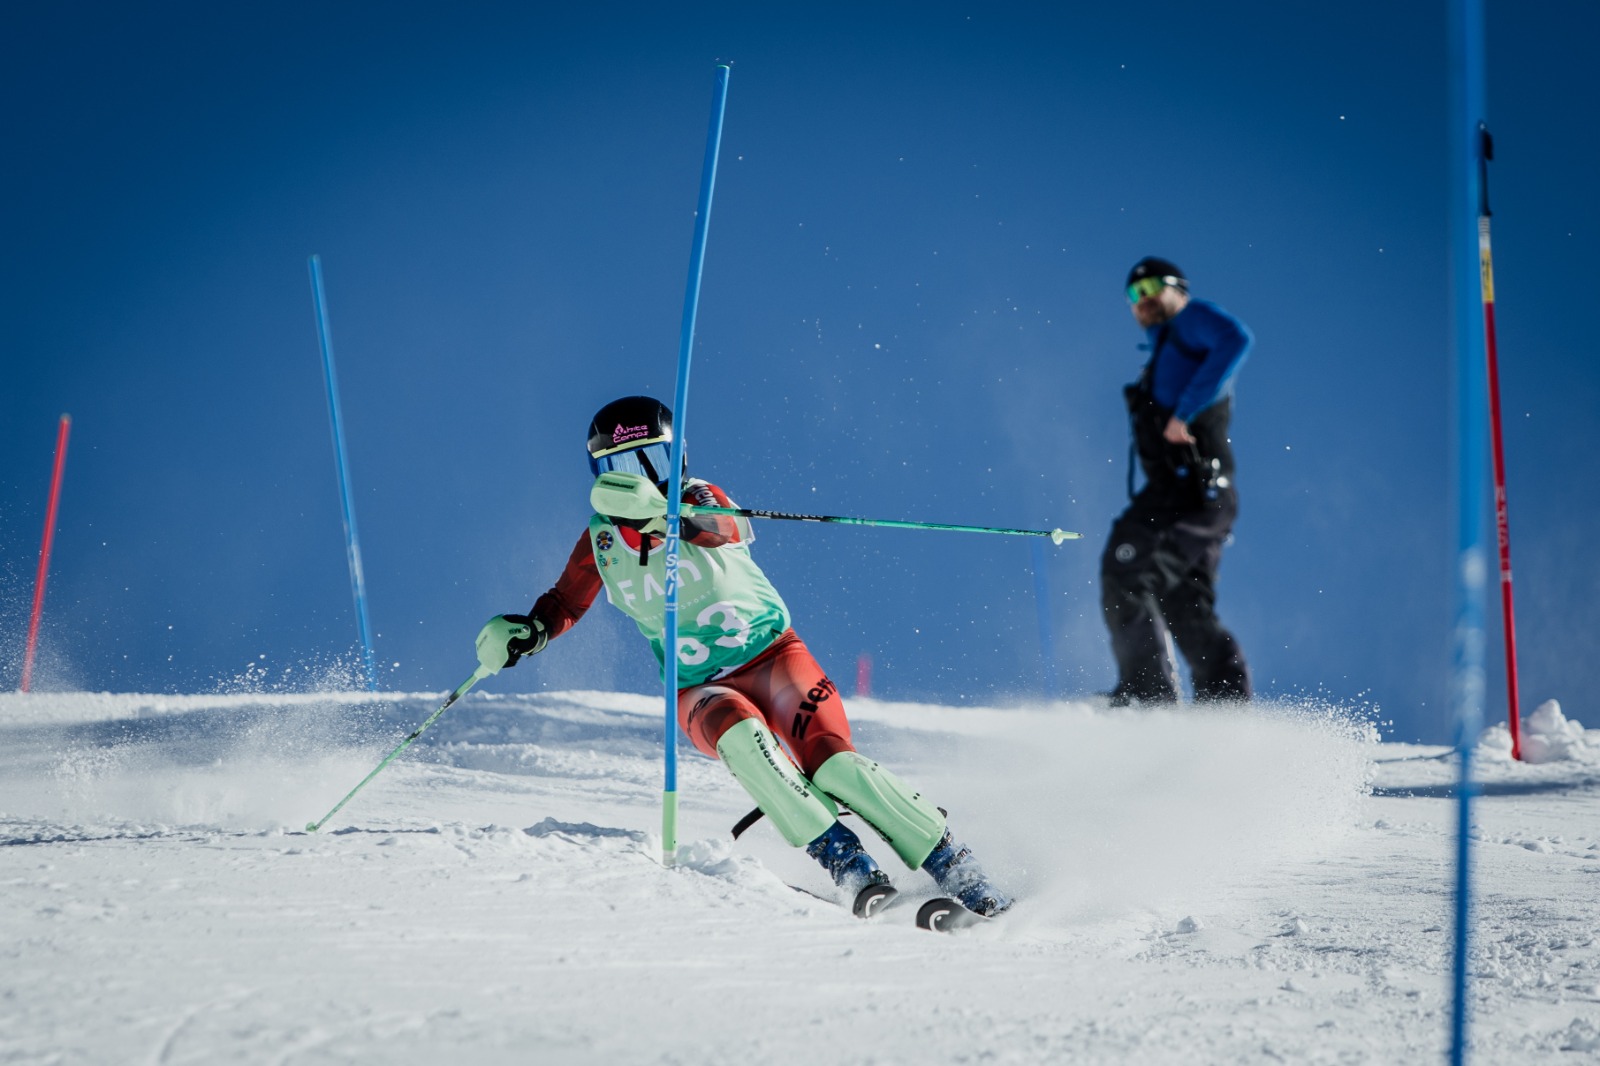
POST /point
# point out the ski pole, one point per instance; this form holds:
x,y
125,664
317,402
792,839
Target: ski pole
x,y
461,690
1056,535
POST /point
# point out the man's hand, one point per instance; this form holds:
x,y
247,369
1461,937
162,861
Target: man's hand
x,y
1177,431
619,495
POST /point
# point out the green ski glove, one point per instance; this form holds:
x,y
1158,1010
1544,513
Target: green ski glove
x,y
505,638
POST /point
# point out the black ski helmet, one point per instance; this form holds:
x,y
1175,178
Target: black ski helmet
x,y
1152,266
633,434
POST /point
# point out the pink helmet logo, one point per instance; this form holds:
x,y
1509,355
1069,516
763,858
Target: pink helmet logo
x,y
626,433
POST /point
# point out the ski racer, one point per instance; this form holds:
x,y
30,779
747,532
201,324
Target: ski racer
x,y
750,689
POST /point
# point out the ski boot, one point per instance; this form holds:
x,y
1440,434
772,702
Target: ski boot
x,y
840,852
960,876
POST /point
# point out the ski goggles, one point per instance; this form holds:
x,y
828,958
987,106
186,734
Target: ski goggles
x,y
1150,286
653,461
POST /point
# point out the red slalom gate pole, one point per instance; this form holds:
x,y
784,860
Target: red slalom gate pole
x,y
1502,521
44,550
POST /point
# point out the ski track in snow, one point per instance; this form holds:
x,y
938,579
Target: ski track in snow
x,y
1261,886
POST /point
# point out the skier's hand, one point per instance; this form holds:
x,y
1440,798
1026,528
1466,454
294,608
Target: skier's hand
x,y
505,638
631,496
532,644
1177,431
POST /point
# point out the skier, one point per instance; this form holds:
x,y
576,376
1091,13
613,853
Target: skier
x,y
1159,570
748,684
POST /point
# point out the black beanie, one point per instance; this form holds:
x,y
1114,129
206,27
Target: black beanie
x,y
1155,267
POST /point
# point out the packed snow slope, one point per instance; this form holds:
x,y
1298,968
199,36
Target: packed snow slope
x,y
1194,887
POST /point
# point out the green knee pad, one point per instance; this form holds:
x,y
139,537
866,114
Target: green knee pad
x,y
910,824
796,807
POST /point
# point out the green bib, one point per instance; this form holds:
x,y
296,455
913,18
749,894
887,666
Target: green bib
x,y
728,612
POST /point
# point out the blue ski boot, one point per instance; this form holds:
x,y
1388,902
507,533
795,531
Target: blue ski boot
x,y
840,852
960,876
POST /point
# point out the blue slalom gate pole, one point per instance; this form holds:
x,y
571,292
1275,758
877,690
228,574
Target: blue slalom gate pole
x,y
358,586
1471,409
680,418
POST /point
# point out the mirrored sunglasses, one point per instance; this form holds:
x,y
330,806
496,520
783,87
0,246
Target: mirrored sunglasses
x,y
1146,287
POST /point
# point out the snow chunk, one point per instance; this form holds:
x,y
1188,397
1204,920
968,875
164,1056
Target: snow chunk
x,y
1549,736
1581,1035
1495,743
579,830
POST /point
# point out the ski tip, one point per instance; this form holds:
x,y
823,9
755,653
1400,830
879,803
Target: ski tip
x,y
872,899
312,827
1057,536
944,915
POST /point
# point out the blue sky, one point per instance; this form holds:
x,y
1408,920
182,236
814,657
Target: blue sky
x,y
911,309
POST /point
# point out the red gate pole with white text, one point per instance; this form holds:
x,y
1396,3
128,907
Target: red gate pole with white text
x,y
1502,522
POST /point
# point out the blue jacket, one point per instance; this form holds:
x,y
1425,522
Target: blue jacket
x,y
1196,359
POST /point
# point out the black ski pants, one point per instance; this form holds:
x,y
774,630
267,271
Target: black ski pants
x,y
1158,576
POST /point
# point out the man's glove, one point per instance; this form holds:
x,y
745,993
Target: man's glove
x,y
631,496
505,638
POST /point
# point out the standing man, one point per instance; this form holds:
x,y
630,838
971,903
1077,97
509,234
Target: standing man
x,y
1159,571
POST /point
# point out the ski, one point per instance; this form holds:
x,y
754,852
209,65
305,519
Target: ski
x,y
872,899
938,915
945,915
868,902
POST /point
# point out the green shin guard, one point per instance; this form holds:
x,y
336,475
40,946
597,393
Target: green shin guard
x,y
910,824
796,807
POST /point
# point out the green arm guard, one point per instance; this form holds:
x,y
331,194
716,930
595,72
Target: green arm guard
x,y
619,495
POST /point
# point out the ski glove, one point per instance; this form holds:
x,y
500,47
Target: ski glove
x,y
630,496
532,644
505,638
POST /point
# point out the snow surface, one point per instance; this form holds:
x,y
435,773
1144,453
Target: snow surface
x,y
1195,887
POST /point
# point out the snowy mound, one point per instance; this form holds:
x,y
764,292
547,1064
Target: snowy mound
x,y
1547,736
